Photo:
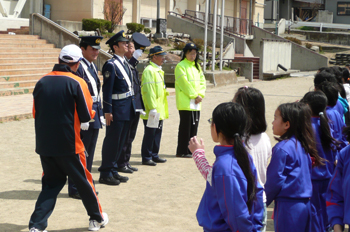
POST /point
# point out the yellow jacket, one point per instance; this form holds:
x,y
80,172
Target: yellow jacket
x,y
189,83
154,93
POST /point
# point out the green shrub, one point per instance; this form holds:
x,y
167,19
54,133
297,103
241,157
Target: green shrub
x,y
305,28
321,49
147,30
93,24
308,45
134,27
179,45
295,40
199,43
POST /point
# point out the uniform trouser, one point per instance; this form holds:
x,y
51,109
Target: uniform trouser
x,y
292,215
318,200
151,141
126,151
89,138
112,147
56,169
188,127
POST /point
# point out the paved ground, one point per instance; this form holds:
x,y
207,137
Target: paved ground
x,y
161,198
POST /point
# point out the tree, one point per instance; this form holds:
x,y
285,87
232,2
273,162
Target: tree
x,y
113,11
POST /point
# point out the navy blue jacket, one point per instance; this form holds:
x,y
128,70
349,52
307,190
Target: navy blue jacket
x,y
97,106
137,84
114,83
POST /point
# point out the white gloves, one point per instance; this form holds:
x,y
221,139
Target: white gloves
x,y
84,125
143,113
153,112
137,53
103,121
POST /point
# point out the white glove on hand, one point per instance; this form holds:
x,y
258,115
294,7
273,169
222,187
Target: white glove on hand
x,y
137,53
84,125
143,113
103,121
153,112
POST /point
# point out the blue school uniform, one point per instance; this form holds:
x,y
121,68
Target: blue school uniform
x,y
338,202
223,206
288,182
337,124
320,179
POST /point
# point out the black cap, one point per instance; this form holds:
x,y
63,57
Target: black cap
x,y
93,41
140,41
119,37
190,46
157,50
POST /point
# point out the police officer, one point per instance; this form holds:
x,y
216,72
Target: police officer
x,y
61,102
154,95
118,107
90,46
138,42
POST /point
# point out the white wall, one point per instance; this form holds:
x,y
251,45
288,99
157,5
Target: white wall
x,y
276,52
97,9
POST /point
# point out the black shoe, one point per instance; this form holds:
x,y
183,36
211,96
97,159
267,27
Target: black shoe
x,y
75,196
121,178
159,160
125,169
132,168
109,181
149,163
184,155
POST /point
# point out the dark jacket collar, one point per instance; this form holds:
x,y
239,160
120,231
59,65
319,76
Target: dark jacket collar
x,y
62,68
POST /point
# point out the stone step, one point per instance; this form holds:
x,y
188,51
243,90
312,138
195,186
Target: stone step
x,y
22,60
242,80
15,91
22,77
27,65
20,84
14,40
20,36
9,72
24,45
44,53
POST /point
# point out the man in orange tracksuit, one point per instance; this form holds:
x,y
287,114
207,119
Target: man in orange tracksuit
x,y
62,102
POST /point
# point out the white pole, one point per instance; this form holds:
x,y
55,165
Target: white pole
x,y
205,34
214,35
222,31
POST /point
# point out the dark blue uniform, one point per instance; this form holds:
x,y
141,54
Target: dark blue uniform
x,y
123,110
89,137
126,151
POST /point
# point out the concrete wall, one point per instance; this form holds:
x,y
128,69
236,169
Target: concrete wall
x,y
71,25
302,58
285,9
275,53
245,69
97,9
65,10
341,38
195,31
12,23
324,16
331,6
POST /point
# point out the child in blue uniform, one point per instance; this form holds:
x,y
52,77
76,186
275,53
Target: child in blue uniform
x,y
326,148
289,172
232,200
338,200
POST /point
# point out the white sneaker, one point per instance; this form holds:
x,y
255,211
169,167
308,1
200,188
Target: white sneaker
x,y
95,225
33,229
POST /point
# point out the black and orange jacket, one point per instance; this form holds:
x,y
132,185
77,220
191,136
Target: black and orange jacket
x,y
61,101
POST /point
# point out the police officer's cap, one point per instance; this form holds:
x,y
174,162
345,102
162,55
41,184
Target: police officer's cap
x,y
157,50
190,46
140,41
119,37
93,41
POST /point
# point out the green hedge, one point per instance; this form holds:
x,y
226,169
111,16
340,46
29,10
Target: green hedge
x,y
134,27
93,24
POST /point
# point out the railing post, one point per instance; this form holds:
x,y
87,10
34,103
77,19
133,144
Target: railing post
x,y
214,35
222,31
205,35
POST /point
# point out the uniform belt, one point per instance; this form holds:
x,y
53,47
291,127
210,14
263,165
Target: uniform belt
x,y
122,95
95,99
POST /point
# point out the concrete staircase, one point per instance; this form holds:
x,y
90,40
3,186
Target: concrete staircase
x,y
24,59
23,30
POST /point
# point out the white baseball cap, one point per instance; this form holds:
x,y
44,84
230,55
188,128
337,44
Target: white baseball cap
x,y
71,54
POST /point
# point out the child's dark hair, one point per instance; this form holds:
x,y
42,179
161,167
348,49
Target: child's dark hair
x,y
298,115
253,102
333,74
331,91
317,101
230,119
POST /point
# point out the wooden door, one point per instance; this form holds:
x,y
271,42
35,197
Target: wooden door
x,y
243,19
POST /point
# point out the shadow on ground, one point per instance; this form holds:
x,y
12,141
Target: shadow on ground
x,y
25,195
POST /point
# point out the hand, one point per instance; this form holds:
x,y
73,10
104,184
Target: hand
x,y
198,99
103,121
84,125
137,53
338,228
194,144
152,113
109,118
143,113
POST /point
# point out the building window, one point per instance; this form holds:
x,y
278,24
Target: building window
x,y
343,8
149,22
